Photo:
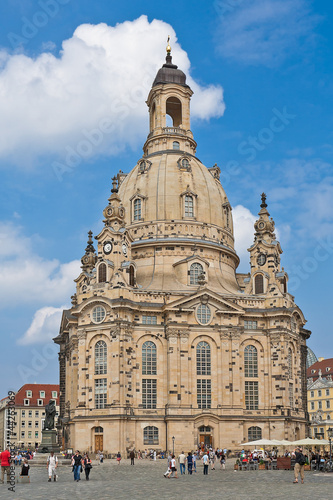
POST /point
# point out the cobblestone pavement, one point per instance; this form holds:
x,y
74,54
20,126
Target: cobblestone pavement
x,y
145,481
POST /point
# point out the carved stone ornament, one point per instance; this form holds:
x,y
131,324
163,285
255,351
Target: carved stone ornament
x,y
275,339
115,332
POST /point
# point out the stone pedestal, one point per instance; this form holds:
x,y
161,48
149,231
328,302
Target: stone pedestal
x,y
49,442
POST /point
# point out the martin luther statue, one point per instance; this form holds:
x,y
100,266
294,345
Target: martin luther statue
x,y
50,411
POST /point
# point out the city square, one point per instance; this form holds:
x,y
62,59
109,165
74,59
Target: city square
x,y
145,480
166,243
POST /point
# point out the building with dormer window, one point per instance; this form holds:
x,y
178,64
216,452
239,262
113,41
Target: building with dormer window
x,y
164,338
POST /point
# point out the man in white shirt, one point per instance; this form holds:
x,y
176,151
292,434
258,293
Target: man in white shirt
x,y
182,459
52,464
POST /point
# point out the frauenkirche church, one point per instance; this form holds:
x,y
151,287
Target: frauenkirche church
x,y
164,338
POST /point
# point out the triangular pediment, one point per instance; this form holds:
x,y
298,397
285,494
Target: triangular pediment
x,y
320,383
222,304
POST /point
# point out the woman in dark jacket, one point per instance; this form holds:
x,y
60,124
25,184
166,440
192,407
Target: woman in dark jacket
x,y
87,465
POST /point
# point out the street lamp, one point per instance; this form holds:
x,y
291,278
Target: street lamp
x,y
330,434
173,445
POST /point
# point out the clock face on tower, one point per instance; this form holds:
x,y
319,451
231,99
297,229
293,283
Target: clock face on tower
x,y
261,259
124,249
107,247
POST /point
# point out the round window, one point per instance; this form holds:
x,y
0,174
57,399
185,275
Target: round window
x,y
203,314
185,163
98,314
261,259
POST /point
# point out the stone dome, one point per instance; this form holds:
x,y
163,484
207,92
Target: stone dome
x,y
162,185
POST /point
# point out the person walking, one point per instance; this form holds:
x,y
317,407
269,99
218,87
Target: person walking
x,y
77,465
173,467
87,465
212,457
181,460
52,464
132,456
5,465
222,460
299,465
205,460
194,459
189,462
118,457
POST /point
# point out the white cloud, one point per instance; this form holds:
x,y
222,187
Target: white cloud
x,y
45,325
244,234
27,278
264,31
103,73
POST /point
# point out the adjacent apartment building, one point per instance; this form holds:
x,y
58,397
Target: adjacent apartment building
x,y
320,397
30,401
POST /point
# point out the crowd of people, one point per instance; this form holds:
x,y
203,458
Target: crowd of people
x,y
208,456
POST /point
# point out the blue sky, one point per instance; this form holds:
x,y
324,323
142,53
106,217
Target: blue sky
x,y
74,75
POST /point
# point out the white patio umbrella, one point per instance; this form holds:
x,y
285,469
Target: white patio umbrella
x,y
310,442
260,442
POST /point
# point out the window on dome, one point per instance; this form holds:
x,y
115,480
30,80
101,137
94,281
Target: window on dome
x,y
175,145
137,209
195,270
189,206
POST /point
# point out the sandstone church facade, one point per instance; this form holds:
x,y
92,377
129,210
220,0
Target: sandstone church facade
x,y
165,342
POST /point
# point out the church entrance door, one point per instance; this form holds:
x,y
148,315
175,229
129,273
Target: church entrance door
x,y
98,442
205,437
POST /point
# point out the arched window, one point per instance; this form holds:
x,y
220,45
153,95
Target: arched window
x,y
150,435
149,358
100,358
189,207
259,284
131,276
102,273
250,361
254,433
203,359
290,363
195,270
251,371
175,145
137,209
174,109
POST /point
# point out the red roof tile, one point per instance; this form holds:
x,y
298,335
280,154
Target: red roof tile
x,y
320,365
35,388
